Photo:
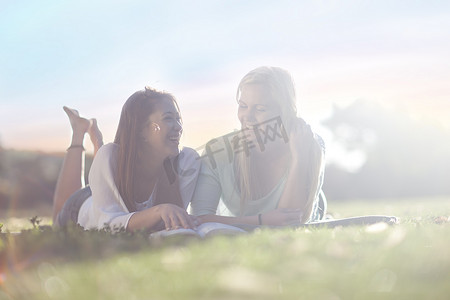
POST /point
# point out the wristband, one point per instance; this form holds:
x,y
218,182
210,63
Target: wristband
x,y
76,146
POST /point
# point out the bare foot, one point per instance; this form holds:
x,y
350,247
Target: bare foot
x,y
95,135
79,125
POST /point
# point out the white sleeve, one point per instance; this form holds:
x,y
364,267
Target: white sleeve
x,y
207,192
108,207
188,170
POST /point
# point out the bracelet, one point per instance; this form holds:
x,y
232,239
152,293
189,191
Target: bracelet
x,y
75,146
260,219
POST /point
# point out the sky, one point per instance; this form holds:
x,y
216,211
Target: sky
x,y
92,55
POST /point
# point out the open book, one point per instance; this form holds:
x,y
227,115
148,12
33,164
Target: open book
x,y
360,220
331,223
202,231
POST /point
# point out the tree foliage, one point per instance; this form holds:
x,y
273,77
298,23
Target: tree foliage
x,y
28,179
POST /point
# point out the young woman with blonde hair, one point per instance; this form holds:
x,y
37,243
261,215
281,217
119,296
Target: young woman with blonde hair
x,y
269,173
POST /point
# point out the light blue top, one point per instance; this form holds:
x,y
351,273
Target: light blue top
x,y
217,191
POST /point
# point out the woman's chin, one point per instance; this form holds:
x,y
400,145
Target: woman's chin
x,y
174,151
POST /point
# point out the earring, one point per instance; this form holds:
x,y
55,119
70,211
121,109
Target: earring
x,y
157,128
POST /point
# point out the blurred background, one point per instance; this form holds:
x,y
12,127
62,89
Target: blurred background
x,y
372,79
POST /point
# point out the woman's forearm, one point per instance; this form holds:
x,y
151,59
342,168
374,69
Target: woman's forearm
x,y
145,219
250,220
301,184
276,217
296,190
170,215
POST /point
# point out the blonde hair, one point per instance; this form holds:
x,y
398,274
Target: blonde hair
x,y
280,85
281,88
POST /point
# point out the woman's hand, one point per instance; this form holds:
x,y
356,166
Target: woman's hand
x,y
175,217
281,216
302,141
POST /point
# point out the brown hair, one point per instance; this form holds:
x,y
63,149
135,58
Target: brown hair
x,y
132,121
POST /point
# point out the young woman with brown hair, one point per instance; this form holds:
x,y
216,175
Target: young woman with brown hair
x,y
142,180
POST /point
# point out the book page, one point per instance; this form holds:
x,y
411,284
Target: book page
x,y
180,231
212,228
202,231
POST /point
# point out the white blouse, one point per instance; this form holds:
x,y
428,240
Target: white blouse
x,y
106,207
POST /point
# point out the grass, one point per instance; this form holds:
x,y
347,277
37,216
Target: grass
x,y
410,260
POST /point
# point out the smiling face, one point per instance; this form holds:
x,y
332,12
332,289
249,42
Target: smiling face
x,y
163,129
256,106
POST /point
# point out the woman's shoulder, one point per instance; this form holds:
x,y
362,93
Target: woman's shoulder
x,y
188,159
320,141
108,149
106,153
188,153
220,150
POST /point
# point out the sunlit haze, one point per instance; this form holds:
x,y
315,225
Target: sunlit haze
x,y
92,55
